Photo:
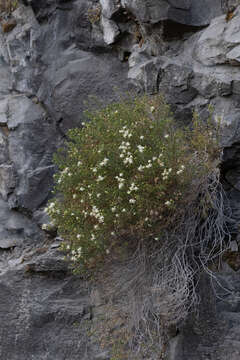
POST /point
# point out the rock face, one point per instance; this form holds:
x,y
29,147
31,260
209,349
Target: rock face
x,y
57,54
188,12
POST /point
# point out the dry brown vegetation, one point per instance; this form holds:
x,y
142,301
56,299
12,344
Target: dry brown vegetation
x,y
8,5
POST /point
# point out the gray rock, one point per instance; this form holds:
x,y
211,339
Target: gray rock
x,y
210,86
110,8
59,309
71,85
195,13
3,145
138,57
51,261
176,84
147,75
214,333
4,111
218,44
29,194
7,180
110,30
5,75
236,87
234,55
15,228
41,217
21,110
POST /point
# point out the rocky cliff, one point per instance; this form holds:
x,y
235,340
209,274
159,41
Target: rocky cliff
x,y
54,54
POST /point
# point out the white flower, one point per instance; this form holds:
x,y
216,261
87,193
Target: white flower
x,y
94,170
132,201
141,168
149,165
44,226
79,163
146,219
98,195
127,134
68,247
128,160
152,108
113,208
121,185
133,187
104,162
167,203
123,210
166,136
81,188
154,158
69,174
121,156
112,233
183,167
116,111
74,196
100,178
141,137
140,148
156,238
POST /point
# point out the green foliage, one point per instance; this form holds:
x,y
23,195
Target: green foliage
x,y
129,173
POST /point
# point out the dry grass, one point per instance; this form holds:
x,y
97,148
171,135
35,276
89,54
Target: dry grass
x,y
156,287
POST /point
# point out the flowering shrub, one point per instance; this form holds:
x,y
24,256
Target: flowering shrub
x,y
129,171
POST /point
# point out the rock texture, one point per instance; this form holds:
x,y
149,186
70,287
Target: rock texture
x,y
196,13
57,54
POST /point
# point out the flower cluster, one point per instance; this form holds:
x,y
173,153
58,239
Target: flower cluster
x,y
96,213
120,180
